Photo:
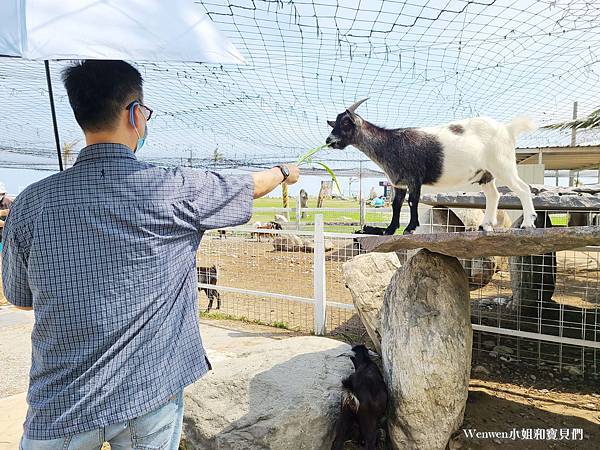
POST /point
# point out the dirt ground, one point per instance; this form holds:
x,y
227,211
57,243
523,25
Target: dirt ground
x,y
519,394
510,396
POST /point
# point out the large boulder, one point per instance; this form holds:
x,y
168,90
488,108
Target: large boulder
x,y
426,350
294,243
281,395
368,276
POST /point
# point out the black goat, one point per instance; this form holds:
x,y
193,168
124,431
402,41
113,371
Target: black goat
x,y
368,229
364,401
471,151
209,275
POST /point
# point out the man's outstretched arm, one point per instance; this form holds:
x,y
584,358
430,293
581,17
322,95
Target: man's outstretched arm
x,y
267,180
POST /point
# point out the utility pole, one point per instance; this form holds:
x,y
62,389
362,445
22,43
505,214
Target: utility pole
x,y
360,182
573,144
351,181
574,130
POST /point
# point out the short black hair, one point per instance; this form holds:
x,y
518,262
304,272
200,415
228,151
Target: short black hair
x,y
99,90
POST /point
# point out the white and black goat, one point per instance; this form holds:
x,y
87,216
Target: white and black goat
x,y
364,401
475,151
209,275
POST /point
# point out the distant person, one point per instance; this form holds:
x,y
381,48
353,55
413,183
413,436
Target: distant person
x,y
378,202
105,254
5,204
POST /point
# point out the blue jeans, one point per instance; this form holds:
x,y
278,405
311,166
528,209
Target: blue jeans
x,y
158,429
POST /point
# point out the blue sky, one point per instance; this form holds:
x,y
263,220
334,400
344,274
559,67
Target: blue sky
x,y
421,63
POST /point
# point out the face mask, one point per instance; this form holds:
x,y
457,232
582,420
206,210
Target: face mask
x,y
141,139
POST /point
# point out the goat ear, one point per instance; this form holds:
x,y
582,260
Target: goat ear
x,y
351,115
331,123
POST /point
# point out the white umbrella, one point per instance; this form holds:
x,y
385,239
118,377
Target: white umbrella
x,y
135,30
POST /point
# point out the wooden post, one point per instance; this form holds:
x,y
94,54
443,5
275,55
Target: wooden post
x,y
303,201
298,211
323,192
285,195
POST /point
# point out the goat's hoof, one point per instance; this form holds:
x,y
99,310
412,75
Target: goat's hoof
x,y
389,232
528,226
486,227
529,223
406,232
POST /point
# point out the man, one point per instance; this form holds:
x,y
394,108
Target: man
x,y
104,253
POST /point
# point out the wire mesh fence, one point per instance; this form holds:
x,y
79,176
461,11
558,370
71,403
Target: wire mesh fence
x,y
539,309
265,284
555,296
268,276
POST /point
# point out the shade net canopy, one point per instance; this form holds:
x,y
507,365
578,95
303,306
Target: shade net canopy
x,y
420,64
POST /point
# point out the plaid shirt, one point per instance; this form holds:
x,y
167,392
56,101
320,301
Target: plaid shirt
x,y
105,252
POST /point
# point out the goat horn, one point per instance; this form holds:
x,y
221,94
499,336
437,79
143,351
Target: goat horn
x,y
356,105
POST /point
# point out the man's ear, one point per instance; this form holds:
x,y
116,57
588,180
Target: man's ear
x,y
331,123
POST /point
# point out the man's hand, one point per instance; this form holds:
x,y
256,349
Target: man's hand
x,y
267,180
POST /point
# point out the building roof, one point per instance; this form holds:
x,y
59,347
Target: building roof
x,y
577,157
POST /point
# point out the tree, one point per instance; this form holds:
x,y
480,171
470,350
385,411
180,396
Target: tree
x,y
67,151
588,122
217,155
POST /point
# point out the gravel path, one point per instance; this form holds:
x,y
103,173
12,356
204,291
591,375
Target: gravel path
x,y
15,344
15,350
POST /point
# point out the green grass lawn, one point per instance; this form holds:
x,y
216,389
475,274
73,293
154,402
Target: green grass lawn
x,y
328,216
272,202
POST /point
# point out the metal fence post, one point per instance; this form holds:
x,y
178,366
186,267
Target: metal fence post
x,y
298,211
362,214
319,282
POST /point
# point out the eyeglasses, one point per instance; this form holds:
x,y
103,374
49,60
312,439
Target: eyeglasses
x,y
147,112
